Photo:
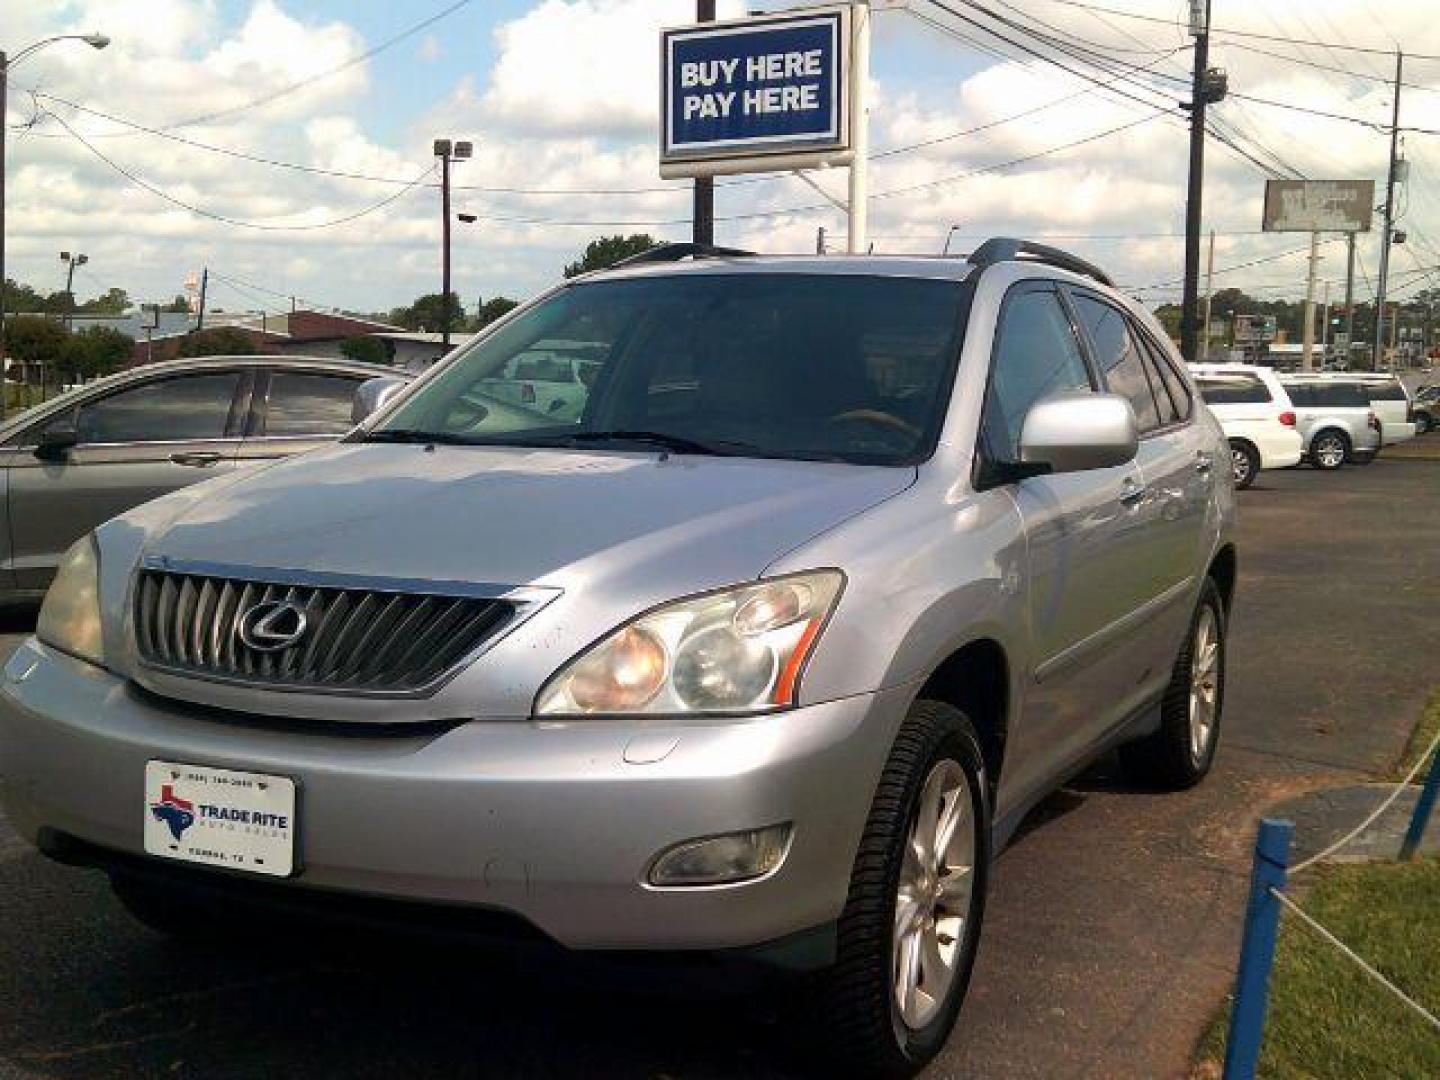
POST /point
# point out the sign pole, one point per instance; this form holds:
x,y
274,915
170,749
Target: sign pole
x,y
856,241
1307,356
702,226
1209,297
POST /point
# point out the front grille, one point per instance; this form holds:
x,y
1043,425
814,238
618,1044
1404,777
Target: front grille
x,y
357,640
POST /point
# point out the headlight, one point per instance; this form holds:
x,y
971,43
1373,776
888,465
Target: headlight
x,y
736,651
70,617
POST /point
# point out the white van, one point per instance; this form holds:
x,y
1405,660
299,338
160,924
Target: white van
x,y
1256,414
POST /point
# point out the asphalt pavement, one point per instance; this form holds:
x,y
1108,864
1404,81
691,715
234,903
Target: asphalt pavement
x,y
1112,925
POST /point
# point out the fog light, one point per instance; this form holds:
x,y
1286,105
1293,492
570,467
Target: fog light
x,y
720,860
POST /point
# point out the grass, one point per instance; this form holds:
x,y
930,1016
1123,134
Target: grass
x,y
1328,1019
1423,735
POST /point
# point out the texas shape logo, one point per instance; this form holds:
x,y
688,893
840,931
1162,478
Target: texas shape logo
x,y
175,812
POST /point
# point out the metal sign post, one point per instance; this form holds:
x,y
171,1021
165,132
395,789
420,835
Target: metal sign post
x,y
857,235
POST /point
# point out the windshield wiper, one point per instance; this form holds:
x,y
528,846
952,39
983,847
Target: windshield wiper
x,y
414,435
674,444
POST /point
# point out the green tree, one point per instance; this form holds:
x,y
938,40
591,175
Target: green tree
x,y
22,297
489,310
428,313
608,250
96,351
112,302
177,305
32,341
367,350
217,341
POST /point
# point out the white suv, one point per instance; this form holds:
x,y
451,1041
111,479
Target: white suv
x,y
1255,412
1389,400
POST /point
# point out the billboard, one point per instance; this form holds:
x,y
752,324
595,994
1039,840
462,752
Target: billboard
x,y
1255,329
1318,205
757,94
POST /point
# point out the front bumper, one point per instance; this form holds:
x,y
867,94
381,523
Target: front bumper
x,y
554,823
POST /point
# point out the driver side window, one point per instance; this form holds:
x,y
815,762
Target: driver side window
x,y
1036,354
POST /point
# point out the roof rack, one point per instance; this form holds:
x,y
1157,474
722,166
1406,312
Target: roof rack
x,y
677,251
1007,249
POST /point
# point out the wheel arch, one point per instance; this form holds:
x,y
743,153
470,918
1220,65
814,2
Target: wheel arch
x,y
975,679
1223,570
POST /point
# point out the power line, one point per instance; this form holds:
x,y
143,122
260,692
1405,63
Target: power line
x,y
1237,266
1242,33
238,222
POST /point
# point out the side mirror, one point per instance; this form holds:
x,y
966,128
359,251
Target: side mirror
x,y
56,441
373,395
1076,432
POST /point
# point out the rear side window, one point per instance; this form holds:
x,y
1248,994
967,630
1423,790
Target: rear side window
x,y
305,404
1118,358
1233,390
1318,395
1170,379
1385,391
1036,355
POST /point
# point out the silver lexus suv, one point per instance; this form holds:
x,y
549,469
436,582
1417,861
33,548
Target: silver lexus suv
x,y
844,565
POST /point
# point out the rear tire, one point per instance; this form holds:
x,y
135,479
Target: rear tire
x,y
1181,751
1329,450
1244,463
891,1000
1422,423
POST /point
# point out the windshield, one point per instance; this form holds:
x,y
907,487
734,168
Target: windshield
x,y
811,366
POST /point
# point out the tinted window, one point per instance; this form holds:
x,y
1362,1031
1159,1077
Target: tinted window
x,y
1036,355
1118,358
1319,395
1233,390
302,404
1170,384
852,367
1385,391
167,410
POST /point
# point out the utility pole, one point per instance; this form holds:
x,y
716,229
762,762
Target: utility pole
x,y
1206,87
1209,296
1349,294
72,261
820,240
703,218
447,151
200,311
1386,236
1325,320
1307,355
856,240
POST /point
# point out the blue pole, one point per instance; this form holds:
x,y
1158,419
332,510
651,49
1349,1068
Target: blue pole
x,y
1257,950
1423,808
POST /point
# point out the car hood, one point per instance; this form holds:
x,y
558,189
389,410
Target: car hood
x,y
517,516
605,535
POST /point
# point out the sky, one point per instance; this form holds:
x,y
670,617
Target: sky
x,y
560,98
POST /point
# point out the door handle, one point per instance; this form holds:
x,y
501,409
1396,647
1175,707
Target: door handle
x,y
199,460
1131,493
1204,462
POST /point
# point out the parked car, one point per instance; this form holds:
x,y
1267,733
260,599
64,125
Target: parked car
x,y
97,451
1255,413
552,378
1335,419
1390,401
769,663
1426,409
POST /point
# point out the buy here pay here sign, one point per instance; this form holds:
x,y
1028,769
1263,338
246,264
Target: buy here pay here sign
x,y
737,95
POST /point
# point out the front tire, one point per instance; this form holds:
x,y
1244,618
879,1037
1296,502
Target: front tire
x,y
908,934
1181,751
1244,464
1329,450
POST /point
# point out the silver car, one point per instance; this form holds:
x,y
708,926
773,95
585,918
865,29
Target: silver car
x,y
77,461
1335,419
845,565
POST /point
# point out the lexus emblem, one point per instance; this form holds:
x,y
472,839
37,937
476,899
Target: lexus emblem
x,y
272,626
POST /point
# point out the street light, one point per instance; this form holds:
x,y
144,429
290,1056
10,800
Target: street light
x,y
73,260
447,152
95,41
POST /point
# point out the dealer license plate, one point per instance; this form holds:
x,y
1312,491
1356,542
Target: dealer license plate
x,y
240,820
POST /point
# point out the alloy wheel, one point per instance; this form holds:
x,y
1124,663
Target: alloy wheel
x,y
1240,465
933,901
1330,452
1204,682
